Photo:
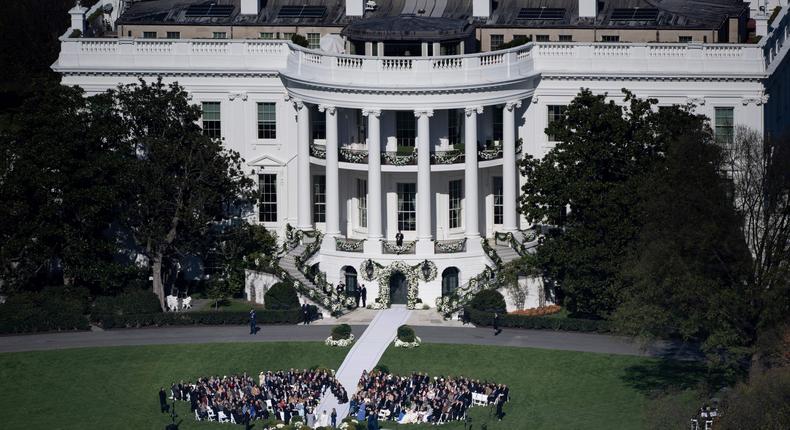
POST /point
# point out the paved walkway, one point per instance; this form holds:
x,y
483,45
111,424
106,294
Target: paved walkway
x,y
364,355
418,318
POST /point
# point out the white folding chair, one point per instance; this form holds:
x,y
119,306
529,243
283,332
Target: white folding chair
x,y
221,417
232,419
383,414
211,415
709,425
269,405
186,303
197,416
479,399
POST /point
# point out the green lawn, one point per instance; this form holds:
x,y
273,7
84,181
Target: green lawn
x,y
116,387
552,389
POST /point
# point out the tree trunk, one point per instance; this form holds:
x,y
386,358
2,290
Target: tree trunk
x,y
159,288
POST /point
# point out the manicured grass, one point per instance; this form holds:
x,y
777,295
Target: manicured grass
x,y
116,388
552,389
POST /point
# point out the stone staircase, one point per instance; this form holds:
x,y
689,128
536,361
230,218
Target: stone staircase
x,y
506,253
288,263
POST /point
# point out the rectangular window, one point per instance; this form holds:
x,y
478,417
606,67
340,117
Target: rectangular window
x,y
455,126
610,38
405,130
318,120
149,35
314,40
455,193
407,211
685,39
266,35
267,205
498,207
497,40
173,34
496,123
554,112
212,120
724,125
267,121
288,36
362,202
219,34
520,37
566,38
319,198
541,38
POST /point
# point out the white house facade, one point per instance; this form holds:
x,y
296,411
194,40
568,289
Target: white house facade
x,y
363,147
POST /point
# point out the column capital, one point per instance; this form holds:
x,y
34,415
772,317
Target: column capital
x,y
371,111
298,103
327,108
473,109
423,112
513,104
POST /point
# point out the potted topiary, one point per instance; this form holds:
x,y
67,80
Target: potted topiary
x,y
407,338
341,336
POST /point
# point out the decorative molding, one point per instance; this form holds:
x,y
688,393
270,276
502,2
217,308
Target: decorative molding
x,y
327,108
515,104
423,112
756,100
233,95
472,109
696,101
371,111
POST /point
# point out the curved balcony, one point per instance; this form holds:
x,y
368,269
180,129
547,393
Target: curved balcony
x,y
449,157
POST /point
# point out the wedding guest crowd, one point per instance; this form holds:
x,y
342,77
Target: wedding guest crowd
x,y
421,399
279,395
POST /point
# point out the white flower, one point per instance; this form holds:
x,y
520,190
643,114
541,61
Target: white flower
x,y
340,342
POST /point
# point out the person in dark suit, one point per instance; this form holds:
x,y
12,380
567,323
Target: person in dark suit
x,y
399,239
363,294
356,294
253,323
373,420
497,330
305,314
500,401
163,400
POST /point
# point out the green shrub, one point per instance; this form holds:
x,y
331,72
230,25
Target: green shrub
x,y
300,40
480,318
52,309
199,318
488,301
513,43
341,331
281,296
127,303
406,333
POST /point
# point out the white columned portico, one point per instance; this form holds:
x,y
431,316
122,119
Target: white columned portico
x,y
303,219
372,244
471,208
332,174
424,244
509,170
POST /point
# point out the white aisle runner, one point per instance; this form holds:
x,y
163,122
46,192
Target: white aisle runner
x,y
364,355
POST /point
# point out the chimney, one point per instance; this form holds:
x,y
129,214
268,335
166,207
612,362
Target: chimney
x,y
355,7
78,18
250,7
481,8
588,8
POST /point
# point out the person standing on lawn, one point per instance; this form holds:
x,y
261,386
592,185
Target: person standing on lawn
x,y
162,400
253,323
363,294
497,330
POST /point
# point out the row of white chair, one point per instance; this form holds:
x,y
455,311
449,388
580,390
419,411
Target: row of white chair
x,y
219,417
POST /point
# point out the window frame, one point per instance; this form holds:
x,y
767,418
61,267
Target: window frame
x,y
565,38
455,195
211,127
406,206
455,126
317,124
267,208
266,35
542,38
313,40
405,128
266,127
498,193
724,133
553,113
362,203
500,41
319,198
219,34
177,35
610,38
150,35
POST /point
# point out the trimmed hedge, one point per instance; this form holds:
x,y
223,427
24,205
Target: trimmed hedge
x,y
51,310
406,333
341,331
488,301
479,318
199,318
131,302
281,296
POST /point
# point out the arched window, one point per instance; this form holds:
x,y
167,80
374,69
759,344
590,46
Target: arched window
x,y
350,278
449,280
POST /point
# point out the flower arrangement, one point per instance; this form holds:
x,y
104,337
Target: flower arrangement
x,y
339,342
341,336
425,271
407,338
539,311
401,344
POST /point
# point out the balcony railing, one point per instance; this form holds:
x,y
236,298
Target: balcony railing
x,y
392,247
453,156
349,245
449,246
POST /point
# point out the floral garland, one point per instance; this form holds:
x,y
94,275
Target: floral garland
x,y
382,274
349,245
393,248
448,157
484,280
396,159
340,342
489,154
353,155
318,151
450,246
401,344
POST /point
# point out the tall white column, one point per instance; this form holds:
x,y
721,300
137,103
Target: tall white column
x,y
424,180
332,175
372,245
471,201
509,169
303,219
